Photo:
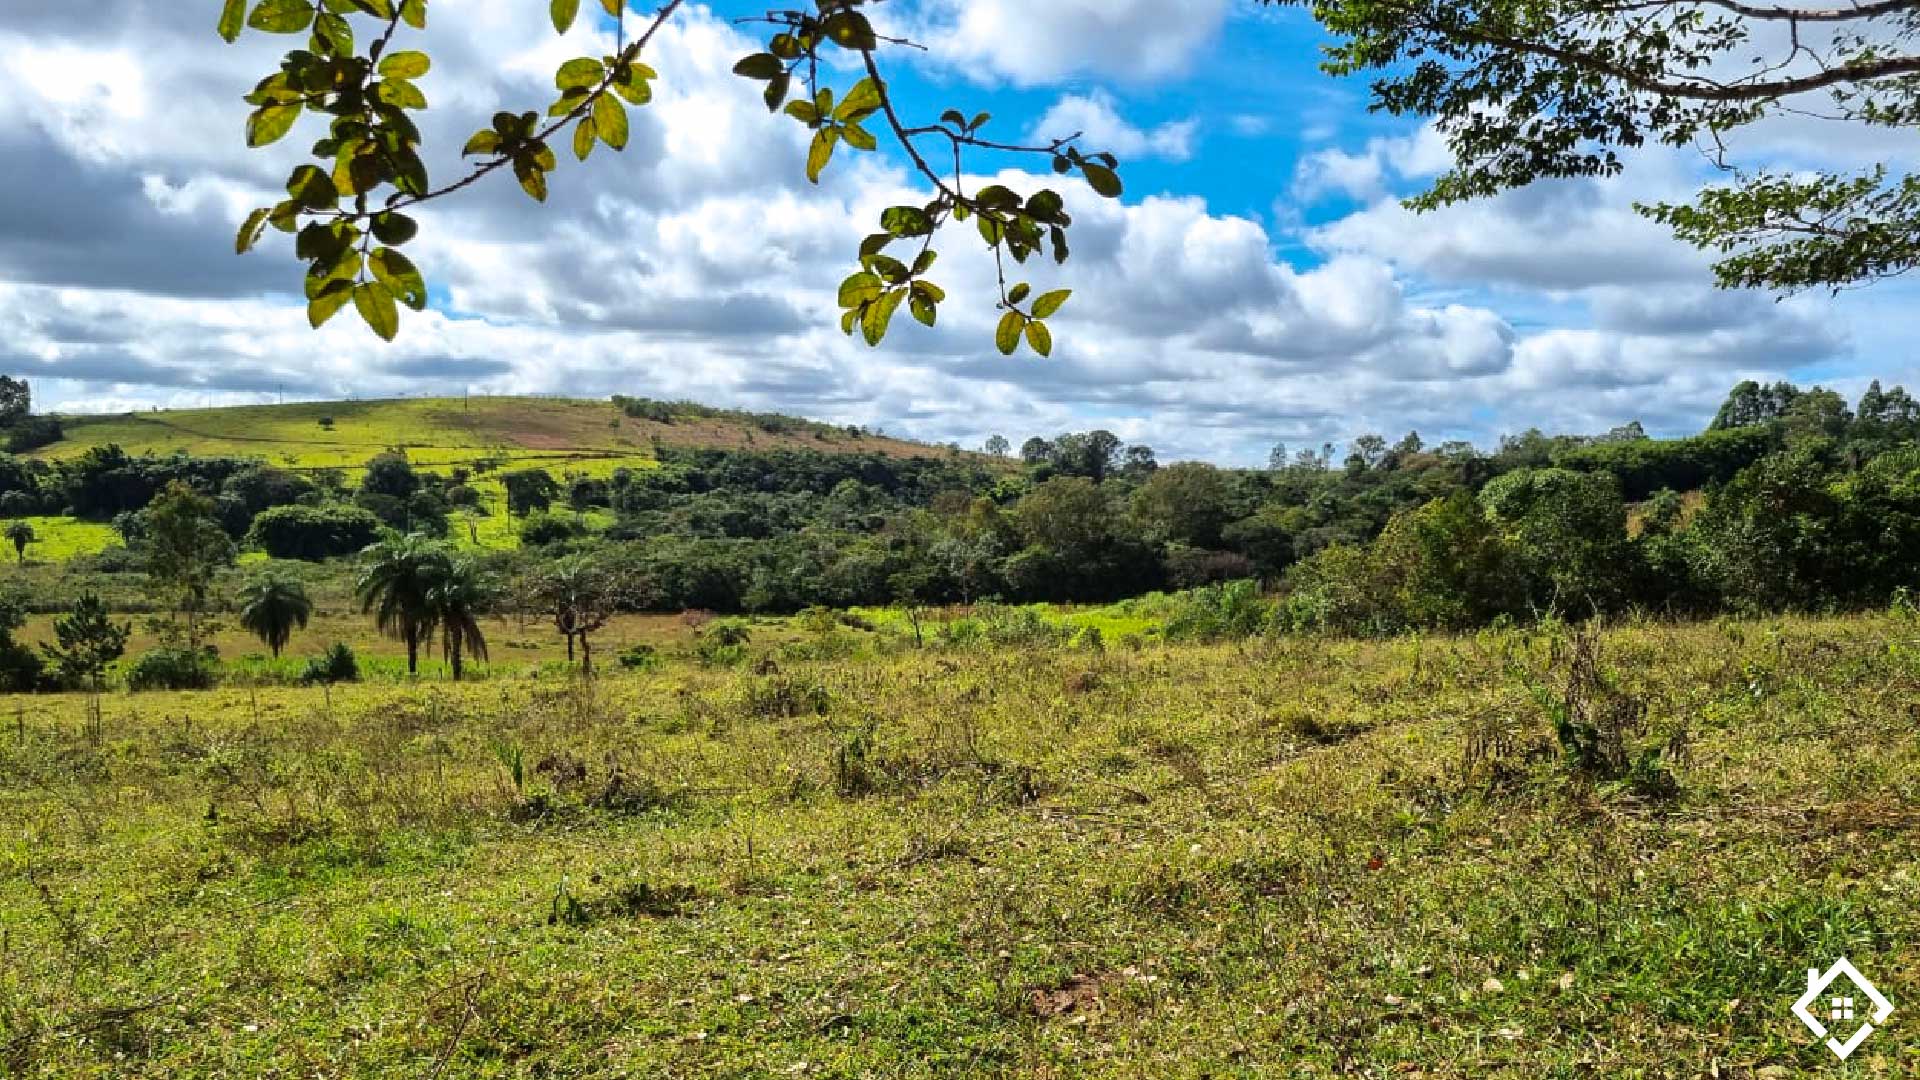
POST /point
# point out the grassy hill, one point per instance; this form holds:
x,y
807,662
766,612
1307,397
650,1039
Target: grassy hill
x,y
566,437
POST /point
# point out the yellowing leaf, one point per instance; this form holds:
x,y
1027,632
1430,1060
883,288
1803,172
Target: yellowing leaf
x,y
610,121
1007,337
375,304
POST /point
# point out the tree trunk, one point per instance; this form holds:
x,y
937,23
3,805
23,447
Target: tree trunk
x,y
413,653
569,646
586,654
456,659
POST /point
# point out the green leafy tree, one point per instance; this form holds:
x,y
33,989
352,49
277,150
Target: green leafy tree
x,y
351,209
16,400
21,534
85,642
1525,90
1184,503
185,547
272,607
455,600
1569,534
394,586
581,596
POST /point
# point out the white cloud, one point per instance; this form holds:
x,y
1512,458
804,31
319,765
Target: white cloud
x,y
1097,119
701,264
1030,43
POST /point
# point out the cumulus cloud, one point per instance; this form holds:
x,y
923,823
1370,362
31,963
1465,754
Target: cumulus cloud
x,y
701,264
1036,43
1097,119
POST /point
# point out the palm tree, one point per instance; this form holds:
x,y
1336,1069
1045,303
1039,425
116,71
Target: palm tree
x,y
21,534
272,607
394,586
454,604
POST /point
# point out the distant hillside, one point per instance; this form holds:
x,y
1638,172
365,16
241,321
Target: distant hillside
x,y
583,436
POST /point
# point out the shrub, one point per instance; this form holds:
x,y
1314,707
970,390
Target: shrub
x,y
1218,613
173,668
336,665
542,528
640,658
32,433
313,533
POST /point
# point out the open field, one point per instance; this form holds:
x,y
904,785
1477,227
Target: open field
x,y
1291,857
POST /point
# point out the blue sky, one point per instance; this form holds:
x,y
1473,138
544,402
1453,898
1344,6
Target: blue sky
x,y
1258,284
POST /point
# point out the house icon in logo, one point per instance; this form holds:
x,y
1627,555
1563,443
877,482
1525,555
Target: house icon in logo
x,y
1839,1007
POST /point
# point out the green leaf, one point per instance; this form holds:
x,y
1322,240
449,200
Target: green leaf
x,y
633,84
761,66
1050,304
584,136
933,293
282,16
400,93
1019,293
804,112
328,302
393,227
232,18
610,121
776,94
880,315
269,125
533,179
863,99
859,289
1007,337
584,73
375,304
564,12
1040,338
251,229
313,187
414,13
859,138
400,276
923,308
905,221
611,7
850,30
405,65
334,34
483,142
1104,180
821,152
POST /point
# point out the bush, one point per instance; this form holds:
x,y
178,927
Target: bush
x,y
336,665
173,668
1218,613
32,433
640,658
313,533
542,528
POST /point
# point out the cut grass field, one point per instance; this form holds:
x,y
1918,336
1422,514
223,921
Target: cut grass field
x,y
1285,858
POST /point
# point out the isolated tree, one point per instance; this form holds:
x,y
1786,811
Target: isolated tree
x,y
16,400
21,534
185,546
529,490
581,596
272,607
85,642
455,601
395,581
349,208
1525,90
998,446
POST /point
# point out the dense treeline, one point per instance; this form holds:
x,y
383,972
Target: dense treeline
x,y
1791,499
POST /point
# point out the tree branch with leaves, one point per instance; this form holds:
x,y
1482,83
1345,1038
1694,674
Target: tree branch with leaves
x,y
348,209
1525,91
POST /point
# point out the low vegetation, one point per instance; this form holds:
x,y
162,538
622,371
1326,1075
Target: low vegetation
x,y
1547,851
